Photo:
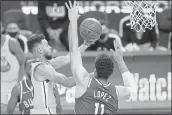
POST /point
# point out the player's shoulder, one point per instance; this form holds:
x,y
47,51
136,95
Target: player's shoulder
x,y
35,62
37,67
40,64
112,87
40,67
30,61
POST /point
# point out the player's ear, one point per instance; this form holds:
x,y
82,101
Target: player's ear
x,y
39,50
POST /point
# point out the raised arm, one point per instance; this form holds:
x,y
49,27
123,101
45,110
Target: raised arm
x,y
18,52
15,96
124,92
44,72
77,68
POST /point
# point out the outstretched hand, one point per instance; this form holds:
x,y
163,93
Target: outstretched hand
x,y
72,10
117,54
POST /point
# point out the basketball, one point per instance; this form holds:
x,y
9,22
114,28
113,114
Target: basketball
x,y
90,29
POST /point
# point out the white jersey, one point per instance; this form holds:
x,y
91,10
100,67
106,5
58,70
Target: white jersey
x,y
9,63
43,92
9,70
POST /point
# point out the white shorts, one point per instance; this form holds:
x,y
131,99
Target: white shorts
x,y
6,88
48,111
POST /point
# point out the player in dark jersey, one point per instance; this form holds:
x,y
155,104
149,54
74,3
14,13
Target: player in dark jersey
x,y
97,95
22,93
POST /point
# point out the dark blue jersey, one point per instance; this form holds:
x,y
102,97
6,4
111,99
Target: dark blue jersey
x,y
26,97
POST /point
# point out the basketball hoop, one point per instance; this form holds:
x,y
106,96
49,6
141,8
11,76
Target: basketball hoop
x,y
143,15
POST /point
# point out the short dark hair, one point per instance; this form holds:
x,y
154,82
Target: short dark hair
x,y
34,40
104,66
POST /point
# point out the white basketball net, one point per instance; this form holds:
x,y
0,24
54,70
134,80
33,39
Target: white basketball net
x,y
143,15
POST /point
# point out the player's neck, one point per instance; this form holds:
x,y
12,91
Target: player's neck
x,y
102,81
41,58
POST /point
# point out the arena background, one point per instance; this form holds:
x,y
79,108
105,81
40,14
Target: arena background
x,y
112,15
152,70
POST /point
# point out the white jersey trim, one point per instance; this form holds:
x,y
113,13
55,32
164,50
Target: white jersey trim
x,y
102,84
21,91
44,94
89,82
33,66
44,88
30,89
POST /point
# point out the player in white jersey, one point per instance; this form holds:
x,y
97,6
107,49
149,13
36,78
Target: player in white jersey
x,y
44,74
12,66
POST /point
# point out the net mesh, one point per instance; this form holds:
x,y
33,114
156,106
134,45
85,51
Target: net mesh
x,y
143,15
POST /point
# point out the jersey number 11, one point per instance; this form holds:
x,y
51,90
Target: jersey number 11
x,y
97,108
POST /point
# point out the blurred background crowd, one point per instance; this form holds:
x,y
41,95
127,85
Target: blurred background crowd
x,y
19,19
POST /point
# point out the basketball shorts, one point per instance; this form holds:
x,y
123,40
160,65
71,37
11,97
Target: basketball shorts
x,y
6,88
